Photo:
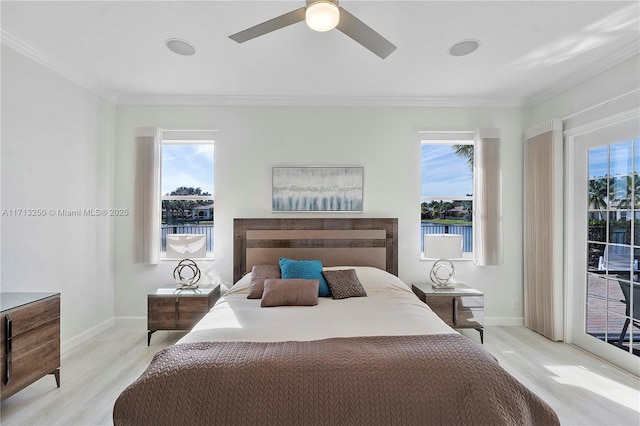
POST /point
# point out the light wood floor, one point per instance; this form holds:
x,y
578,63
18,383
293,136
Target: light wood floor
x,y
583,389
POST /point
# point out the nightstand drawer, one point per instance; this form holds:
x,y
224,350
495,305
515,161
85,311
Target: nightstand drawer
x,y
185,304
469,317
180,320
459,307
168,309
458,311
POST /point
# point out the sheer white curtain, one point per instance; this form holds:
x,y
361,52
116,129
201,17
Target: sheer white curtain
x,y
487,209
147,207
543,229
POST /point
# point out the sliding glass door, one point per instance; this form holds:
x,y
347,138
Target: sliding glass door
x,y
613,240
603,241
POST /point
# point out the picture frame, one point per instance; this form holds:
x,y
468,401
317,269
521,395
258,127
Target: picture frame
x,y
317,189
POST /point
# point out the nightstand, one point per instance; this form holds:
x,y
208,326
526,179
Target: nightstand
x,y
173,309
460,307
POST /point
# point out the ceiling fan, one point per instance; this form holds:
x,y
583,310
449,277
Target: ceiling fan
x,y
323,15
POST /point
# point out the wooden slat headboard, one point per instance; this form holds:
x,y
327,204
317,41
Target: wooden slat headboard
x,y
335,242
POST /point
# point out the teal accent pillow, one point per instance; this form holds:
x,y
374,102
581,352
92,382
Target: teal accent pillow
x,y
306,269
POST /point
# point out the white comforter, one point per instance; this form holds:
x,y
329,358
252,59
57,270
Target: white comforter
x,y
390,309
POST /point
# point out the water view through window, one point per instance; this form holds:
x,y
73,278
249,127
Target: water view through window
x,y
446,205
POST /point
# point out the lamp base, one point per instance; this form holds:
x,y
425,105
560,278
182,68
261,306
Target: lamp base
x,y
182,286
187,274
443,274
448,286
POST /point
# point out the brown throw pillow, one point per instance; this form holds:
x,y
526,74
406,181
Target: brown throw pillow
x,y
259,273
344,283
292,292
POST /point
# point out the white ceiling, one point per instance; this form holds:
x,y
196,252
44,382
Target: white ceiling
x,y
529,50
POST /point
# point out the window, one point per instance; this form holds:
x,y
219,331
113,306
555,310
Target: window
x,y
447,190
187,183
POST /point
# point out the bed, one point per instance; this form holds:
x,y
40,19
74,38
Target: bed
x,y
380,359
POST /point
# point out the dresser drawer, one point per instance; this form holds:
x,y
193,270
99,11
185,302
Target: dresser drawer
x,y
29,367
34,342
34,338
34,314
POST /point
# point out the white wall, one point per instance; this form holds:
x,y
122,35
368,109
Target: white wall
x,y
383,140
57,153
595,98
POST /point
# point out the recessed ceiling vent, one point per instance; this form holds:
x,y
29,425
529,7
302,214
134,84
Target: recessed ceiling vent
x,y
464,47
180,47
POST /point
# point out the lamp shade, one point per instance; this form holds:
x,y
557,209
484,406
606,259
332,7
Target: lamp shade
x,y
443,246
322,15
186,246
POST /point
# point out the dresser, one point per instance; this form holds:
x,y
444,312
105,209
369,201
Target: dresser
x,y
460,307
29,339
173,309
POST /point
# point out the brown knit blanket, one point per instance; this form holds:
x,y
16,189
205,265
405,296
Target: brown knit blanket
x,y
395,380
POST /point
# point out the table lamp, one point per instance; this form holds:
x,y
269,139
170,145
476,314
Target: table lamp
x,y
443,247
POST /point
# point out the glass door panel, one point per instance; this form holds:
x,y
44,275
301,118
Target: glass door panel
x,y
613,243
602,239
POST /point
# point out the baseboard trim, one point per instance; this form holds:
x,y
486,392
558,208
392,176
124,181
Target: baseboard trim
x,y
86,335
132,322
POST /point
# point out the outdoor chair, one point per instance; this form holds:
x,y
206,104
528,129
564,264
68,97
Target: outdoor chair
x,y
626,291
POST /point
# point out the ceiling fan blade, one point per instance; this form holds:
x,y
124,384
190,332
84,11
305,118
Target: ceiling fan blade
x,y
281,21
364,34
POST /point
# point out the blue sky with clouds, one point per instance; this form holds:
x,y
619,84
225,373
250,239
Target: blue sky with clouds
x,y
188,165
620,163
444,173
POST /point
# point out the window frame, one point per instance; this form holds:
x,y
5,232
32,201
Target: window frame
x,y
181,141
451,139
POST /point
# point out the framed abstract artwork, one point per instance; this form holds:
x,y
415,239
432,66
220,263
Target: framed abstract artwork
x,y
317,189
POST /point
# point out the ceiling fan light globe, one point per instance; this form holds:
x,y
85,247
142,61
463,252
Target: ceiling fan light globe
x,y
322,15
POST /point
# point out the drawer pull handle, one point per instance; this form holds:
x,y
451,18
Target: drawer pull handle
x,y
455,311
177,307
8,347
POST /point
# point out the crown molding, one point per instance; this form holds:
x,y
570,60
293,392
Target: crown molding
x,y
11,40
339,101
59,67
585,73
